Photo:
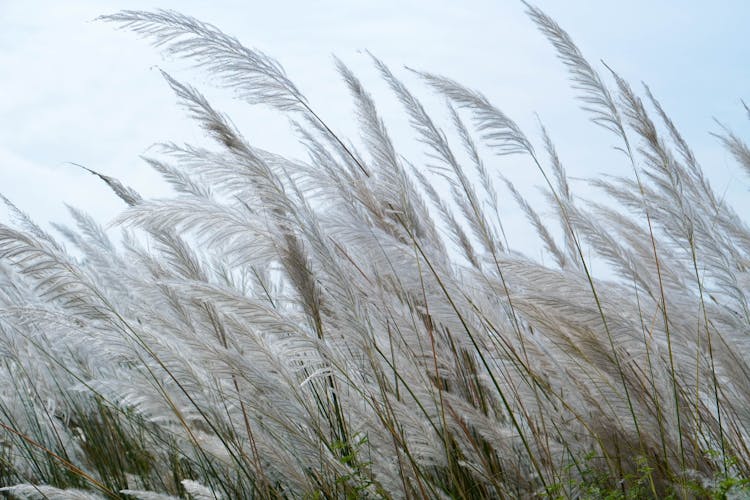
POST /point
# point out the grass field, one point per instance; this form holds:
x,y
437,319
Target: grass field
x,y
357,326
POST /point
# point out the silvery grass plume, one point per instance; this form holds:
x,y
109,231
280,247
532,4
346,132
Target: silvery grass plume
x,y
345,327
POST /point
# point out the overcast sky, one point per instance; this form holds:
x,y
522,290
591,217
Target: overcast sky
x,y
77,90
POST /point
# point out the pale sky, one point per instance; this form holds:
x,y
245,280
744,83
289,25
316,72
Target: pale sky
x,y
76,90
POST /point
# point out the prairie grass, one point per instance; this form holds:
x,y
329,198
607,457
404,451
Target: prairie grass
x,y
356,326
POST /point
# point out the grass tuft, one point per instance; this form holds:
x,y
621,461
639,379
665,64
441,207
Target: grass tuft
x,y
358,326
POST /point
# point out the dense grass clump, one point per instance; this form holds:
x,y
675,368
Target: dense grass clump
x,y
348,327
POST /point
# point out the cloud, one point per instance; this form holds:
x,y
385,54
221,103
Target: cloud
x,y
80,91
